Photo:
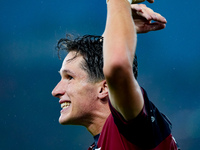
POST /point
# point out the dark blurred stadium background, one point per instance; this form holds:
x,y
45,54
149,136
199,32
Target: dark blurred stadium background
x,y
168,69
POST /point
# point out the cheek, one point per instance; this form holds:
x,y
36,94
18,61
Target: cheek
x,y
71,89
81,91
89,91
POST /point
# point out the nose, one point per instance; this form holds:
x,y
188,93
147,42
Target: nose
x,y
59,90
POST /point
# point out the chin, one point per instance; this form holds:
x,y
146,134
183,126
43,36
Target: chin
x,y
63,121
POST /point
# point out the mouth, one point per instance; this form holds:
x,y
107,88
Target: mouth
x,y
65,105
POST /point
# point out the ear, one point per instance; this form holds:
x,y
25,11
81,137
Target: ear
x,y
103,90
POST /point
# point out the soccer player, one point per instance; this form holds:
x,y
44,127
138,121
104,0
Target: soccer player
x,y
98,87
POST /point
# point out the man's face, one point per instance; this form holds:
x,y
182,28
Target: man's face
x,y
77,95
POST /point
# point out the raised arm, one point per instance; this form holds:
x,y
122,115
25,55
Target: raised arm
x,y
119,50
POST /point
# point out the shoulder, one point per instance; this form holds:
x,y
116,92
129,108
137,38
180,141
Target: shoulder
x,y
150,126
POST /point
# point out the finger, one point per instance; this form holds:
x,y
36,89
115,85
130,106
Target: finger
x,y
151,27
157,17
161,18
153,15
156,26
143,15
147,13
136,7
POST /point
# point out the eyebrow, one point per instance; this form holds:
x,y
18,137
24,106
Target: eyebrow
x,y
66,71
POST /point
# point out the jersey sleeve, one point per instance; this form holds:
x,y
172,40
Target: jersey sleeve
x,y
148,129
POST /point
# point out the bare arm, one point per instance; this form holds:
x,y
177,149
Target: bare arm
x,y
119,50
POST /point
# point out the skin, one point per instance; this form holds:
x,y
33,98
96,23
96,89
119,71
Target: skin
x,y
88,100
124,91
143,17
119,49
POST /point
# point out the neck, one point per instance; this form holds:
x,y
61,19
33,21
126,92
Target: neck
x,y
98,118
97,124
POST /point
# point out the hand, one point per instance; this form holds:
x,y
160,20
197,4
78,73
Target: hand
x,y
143,17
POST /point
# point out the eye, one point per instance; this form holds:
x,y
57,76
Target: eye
x,y
69,77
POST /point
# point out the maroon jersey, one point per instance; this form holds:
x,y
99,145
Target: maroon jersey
x,y
149,130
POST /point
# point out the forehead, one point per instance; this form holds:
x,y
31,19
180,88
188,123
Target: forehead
x,y
72,62
72,58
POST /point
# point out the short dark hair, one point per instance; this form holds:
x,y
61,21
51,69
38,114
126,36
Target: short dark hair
x,y
91,48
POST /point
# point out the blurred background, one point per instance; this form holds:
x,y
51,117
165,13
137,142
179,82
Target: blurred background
x,y
29,30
